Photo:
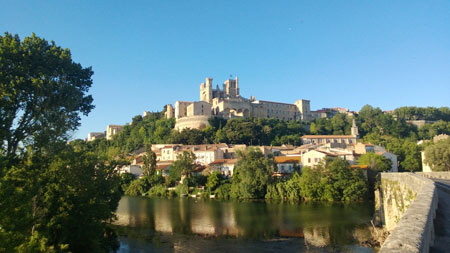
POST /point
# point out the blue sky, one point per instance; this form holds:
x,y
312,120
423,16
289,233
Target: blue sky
x,y
146,54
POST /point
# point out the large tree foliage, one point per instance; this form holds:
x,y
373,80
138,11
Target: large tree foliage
x,y
438,155
183,166
53,196
375,161
149,162
422,113
333,180
252,174
42,92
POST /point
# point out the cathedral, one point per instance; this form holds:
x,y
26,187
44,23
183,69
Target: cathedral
x,y
227,103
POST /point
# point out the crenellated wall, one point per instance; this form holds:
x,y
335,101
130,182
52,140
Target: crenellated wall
x,y
406,205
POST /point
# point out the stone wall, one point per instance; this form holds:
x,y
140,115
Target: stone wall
x,y
406,204
437,175
193,122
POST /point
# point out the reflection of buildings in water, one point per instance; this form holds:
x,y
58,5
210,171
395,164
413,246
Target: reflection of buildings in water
x,y
317,236
205,220
163,221
201,220
132,213
183,211
229,224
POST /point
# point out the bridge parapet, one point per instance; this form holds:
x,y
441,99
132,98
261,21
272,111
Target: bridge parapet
x,y
407,205
436,175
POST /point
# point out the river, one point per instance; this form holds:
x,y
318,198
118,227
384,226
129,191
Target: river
x,y
195,225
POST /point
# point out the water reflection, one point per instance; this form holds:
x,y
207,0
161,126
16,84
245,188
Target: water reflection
x,y
316,224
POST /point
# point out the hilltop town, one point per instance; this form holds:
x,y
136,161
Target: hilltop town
x,y
227,103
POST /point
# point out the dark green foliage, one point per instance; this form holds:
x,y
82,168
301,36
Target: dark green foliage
x,y
375,162
188,137
223,191
285,190
157,191
339,124
259,131
142,185
54,197
43,93
252,174
182,189
125,180
68,203
428,131
333,180
138,187
148,130
214,181
373,120
183,166
422,113
438,155
407,151
149,162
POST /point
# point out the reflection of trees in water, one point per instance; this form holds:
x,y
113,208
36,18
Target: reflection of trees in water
x,y
181,216
162,215
254,220
320,224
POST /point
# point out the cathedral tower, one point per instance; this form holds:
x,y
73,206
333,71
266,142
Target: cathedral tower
x,y
354,129
206,90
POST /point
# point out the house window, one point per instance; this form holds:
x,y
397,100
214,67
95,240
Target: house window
x,y
309,160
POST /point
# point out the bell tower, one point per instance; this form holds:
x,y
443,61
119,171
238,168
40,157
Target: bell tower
x,y
354,129
206,90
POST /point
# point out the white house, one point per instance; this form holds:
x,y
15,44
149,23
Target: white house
x,y
136,170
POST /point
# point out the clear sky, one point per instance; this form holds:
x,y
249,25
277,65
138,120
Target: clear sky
x,y
146,54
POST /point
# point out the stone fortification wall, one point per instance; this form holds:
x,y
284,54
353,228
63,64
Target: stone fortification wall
x,y
406,204
197,122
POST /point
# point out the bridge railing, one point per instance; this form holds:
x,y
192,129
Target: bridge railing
x,y
414,231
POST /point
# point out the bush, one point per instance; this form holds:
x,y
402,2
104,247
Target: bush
x,y
157,191
138,187
125,180
223,191
181,189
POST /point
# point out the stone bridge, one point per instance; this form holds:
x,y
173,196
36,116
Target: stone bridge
x,y
415,208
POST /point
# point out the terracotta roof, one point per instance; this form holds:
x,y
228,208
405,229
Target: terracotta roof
x,y
162,167
222,161
360,166
287,159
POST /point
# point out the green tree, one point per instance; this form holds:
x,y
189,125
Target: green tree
x,y
375,161
183,166
149,162
333,180
213,181
53,197
42,93
252,174
438,155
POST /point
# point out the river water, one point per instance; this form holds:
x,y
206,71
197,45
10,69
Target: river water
x,y
194,225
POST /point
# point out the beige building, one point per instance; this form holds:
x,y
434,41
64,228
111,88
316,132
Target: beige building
x,y
112,130
95,136
228,103
325,139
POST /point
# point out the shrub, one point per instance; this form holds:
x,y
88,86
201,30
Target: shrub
x,y
157,191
